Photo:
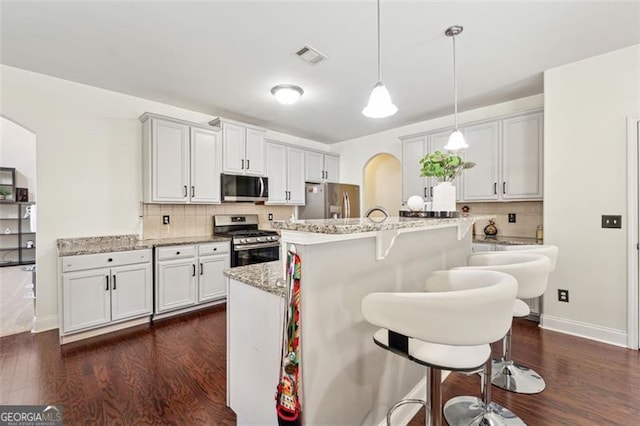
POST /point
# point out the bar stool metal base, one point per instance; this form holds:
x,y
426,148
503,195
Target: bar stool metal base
x,y
469,410
517,378
400,404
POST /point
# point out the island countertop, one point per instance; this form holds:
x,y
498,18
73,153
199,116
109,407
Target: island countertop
x,y
114,243
264,276
363,224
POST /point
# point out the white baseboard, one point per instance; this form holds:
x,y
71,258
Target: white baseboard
x,y
404,414
583,329
45,323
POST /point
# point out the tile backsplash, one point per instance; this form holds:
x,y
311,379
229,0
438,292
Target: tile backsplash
x,y
528,217
188,220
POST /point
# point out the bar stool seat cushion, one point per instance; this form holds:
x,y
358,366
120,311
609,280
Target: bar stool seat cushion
x,y
520,309
444,357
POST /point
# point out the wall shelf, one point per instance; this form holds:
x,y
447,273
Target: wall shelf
x,y
13,245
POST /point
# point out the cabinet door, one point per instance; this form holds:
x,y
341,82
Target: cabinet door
x,y
437,142
233,144
295,176
170,156
314,166
412,184
211,282
131,291
176,284
86,299
332,168
276,167
481,181
522,157
205,170
254,152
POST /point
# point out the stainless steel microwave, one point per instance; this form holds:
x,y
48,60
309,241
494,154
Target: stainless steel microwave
x,y
244,188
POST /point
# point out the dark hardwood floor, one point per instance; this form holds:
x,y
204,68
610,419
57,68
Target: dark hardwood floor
x,y
173,372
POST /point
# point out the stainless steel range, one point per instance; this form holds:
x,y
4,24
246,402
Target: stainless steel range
x,y
248,244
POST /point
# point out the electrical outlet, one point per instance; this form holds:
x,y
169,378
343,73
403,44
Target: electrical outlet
x,y
165,219
270,216
563,295
609,221
512,218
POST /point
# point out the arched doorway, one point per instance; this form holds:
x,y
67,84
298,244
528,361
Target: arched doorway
x,y
18,242
382,183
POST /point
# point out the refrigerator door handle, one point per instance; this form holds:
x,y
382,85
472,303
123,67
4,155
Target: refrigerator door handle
x,y
347,205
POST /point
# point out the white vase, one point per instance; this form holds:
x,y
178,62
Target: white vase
x,y
444,197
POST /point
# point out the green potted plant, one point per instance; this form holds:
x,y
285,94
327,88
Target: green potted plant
x,y
4,193
444,167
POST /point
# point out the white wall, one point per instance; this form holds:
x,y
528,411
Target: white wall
x,y
88,163
18,150
585,109
355,153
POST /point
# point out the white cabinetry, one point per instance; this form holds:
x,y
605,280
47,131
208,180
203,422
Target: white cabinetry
x,y
285,170
105,289
413,149
181,161
188,276
508,157
321,167
242,148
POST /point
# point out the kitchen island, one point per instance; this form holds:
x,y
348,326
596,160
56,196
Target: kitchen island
x,y
346,378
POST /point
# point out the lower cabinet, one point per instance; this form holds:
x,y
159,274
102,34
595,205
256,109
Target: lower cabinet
x,y
188,276
106,289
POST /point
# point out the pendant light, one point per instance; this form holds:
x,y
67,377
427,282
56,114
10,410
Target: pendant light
x,y
456,140
380,105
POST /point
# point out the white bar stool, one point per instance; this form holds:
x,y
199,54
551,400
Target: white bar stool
x,y
448,327
532,272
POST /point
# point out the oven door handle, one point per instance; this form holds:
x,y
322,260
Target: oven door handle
x,y
255,246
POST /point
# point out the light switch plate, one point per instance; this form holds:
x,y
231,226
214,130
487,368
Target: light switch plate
x,y
611,221
512,218
165,219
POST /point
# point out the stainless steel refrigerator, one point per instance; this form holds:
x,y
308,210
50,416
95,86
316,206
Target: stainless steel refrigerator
x,y
330,201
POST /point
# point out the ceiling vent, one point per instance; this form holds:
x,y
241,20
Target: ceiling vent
x,y
311,55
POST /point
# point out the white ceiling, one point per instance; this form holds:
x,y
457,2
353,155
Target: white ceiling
x,y
222,58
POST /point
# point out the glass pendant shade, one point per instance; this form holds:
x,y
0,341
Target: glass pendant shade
x,y
380,105
456,142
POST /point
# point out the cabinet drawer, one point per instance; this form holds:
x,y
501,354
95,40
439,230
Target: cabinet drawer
x,y
214,248
101,260
175,252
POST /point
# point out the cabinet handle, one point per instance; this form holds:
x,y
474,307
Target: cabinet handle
x,y
242,165
431,191
107,277
114,281
193,274
201,269
248,164
504,187
495,188
215,249
177,253
109,260
185,190
193,191
425,192
326,174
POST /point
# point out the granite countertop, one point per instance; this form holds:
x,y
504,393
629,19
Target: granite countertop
x,y
504,240
263,276
363,224
113,243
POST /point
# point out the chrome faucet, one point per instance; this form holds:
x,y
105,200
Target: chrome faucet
x,y
377,209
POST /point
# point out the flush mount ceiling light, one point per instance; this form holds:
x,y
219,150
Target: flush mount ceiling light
x,y
287,94
456,140
380,105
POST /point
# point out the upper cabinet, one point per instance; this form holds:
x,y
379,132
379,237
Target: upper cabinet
x,y
321,167
507,152
242,148
181,161
413,149
285,170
